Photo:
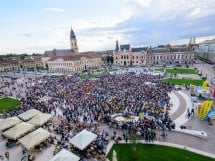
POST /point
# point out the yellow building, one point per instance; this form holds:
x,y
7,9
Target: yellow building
x,y
74,63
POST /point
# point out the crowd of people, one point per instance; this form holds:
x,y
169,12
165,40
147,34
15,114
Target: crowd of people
x,y
86,102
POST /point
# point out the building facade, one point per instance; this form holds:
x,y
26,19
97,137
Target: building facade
x,y
124,55
16,64
74,63
207,51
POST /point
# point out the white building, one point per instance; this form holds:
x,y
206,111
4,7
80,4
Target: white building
x,y
207,50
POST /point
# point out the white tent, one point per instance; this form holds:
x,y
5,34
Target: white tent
x,y
18,130
28,114
40,119
9,122
83,139
34,138
65,155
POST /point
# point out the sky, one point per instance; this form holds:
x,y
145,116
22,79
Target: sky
x,y
33,26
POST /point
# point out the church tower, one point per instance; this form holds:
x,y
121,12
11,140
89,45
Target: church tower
x,y
117,46
73,41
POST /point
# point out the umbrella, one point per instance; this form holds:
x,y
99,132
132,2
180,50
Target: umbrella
x,y
83,139
18,130
40,119
65,155
34,138
9,122
28,114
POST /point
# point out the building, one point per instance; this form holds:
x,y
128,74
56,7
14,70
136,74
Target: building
x,y
206,51
170,55
8,65
124,55
74,63
17,64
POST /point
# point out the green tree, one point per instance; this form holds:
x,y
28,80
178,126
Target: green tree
x,y
111,59
108,59
47,66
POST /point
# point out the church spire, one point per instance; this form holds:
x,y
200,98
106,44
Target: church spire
x,y
117,46
73,41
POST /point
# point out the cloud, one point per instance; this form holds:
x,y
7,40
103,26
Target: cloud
x,y
54,9
161,21
27,35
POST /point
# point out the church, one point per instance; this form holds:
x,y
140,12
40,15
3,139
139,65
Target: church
x,y
71,60
65,52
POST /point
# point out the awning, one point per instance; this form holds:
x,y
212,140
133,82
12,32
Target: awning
x,y
65,155
34,138
40,119
28,114
83,139
18,130
9,122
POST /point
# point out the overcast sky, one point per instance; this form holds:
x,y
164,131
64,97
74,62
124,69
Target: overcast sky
x,y
28,26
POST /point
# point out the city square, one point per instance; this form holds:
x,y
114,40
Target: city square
x,y
111,81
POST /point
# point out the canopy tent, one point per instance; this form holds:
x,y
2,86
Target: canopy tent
x,y
28,114
18,130
9,122
40,119
34,138
83,139
65,155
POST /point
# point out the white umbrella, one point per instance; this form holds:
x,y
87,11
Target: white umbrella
x,y
65,155
9,122
28,114
34,138
40,119
83,139
18,130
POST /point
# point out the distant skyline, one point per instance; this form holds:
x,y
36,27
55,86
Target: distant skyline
x,y
33,26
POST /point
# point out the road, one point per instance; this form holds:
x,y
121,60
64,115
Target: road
x,y
206,70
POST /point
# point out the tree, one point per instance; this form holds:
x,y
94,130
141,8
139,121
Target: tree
x,y
47,66
111,59
108,59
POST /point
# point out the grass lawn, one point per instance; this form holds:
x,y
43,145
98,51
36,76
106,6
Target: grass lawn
x,y
181,71
149,152
83,75
183,81
8,104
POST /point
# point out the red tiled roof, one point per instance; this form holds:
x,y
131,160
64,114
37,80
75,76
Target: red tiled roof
x,y
75,57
